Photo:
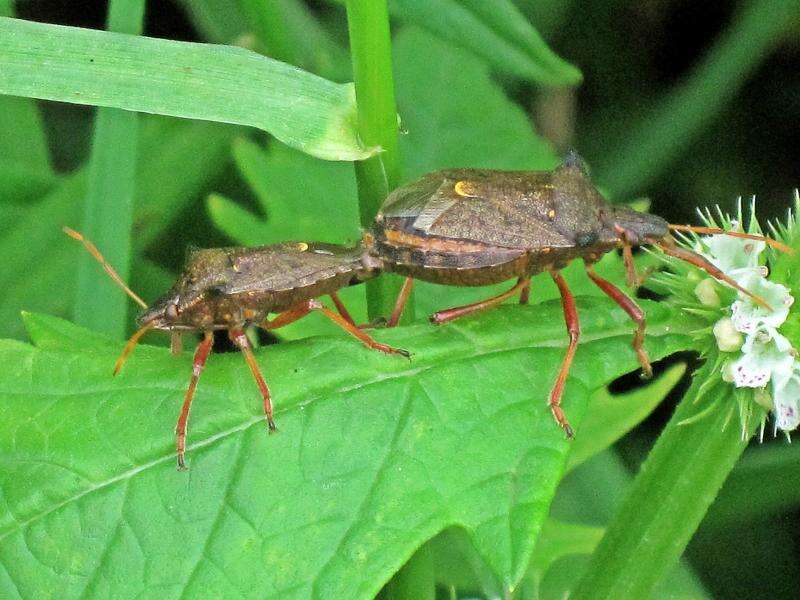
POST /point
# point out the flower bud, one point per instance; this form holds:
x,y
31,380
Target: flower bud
x,y
706,292
728,339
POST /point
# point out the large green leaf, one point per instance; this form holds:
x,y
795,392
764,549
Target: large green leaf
x,y
376,455
181,79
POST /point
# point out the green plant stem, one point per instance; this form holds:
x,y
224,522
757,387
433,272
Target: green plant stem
x,y
108,212
370,49
669,497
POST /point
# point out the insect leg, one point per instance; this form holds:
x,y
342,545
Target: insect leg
x,y
175,343
574,330
400,303
632,279
240,339
525,294
287,316
341,307
634,312
200,357
354,330
451,314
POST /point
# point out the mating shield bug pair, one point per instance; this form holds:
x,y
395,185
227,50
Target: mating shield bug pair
x,y
459,227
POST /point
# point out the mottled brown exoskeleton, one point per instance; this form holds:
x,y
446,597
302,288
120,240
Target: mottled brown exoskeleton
x,y
474,227
233,288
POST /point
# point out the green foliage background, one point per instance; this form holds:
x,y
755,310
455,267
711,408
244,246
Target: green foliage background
x,y
440,476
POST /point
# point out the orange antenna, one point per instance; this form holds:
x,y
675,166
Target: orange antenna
x,y
738,234
108,268
126,351
701,262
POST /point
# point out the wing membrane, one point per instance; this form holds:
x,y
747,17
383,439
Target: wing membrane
x,y
511,209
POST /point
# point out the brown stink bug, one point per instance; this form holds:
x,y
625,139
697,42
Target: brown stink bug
x,y
473,227
233,288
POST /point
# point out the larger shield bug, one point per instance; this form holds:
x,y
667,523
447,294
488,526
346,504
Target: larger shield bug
x,y
475,227
233,288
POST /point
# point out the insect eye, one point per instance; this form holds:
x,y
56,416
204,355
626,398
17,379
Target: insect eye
x,y
171,311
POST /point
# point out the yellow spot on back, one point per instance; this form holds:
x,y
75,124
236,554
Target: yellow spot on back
x,y
551,213
548,186
302,246
465,188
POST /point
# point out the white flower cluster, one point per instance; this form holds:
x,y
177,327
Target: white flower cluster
x,y
763,356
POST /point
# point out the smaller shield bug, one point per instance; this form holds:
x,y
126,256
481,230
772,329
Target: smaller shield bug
x,y
233,288
474,227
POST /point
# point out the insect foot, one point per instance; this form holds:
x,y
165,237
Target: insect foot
x,y
354,330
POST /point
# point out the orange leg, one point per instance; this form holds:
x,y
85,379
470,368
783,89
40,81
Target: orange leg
x,y
574,330
240,339
400,303
200,357
341,307
175,343
451,314
632,279
354,330
525,294
634,312
288,316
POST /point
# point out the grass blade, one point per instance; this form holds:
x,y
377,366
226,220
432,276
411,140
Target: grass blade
x,y
108,205
181,79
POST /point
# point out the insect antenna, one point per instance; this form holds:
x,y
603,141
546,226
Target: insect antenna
x,y
701,262
738,234
131,344
92,249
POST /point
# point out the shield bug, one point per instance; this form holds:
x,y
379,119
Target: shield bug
x,y
233,288
473,227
